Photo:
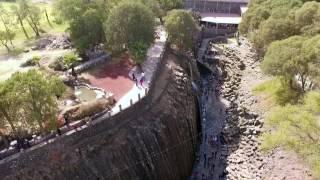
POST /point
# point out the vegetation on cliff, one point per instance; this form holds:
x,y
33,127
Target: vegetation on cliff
x,y
287,34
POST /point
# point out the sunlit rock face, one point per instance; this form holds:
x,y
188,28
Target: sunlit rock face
x,y
154,139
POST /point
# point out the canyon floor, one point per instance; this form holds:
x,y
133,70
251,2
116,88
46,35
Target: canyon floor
x,y
233,118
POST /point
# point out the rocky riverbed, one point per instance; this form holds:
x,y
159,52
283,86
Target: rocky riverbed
x,y
244,122
233,120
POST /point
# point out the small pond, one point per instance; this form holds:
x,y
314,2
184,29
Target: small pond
x,y
85,94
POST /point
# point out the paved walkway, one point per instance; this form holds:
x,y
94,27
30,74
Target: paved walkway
x,y
149,67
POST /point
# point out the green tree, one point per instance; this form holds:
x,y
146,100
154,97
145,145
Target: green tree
x,y
136,25
154,6
47,17
282,59
33,19
38,93
168,5
6,20
260,10
10,106
307,18
87,31
86,20
20,12
71,10
181,28
139,51
274,29
6,38
295,58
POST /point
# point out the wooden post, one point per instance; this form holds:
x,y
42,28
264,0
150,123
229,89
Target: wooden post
x,y
120,108
139,97
131,103
146,91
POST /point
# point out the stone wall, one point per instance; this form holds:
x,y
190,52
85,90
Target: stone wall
x,y
154,139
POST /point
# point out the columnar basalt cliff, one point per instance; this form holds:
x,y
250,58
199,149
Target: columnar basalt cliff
x,y
154,139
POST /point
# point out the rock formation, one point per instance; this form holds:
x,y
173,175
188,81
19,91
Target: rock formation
x,y
243,124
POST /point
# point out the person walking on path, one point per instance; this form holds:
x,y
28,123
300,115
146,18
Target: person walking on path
x,y
134,78
142,79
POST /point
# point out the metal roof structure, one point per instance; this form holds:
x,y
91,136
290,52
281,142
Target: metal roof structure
x,y
222,20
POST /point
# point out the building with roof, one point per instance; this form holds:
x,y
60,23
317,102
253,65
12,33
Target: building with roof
x,y
218,16
216,6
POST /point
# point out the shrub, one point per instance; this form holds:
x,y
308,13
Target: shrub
x,y
32,62
58,64
71,60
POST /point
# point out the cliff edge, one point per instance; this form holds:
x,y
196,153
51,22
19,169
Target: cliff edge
x,y
154,139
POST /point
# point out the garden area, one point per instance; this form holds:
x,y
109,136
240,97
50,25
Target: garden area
x,y
52,83
23,24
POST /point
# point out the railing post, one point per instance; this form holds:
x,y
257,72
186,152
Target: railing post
x,y
131,103
120,108
146,91
139,97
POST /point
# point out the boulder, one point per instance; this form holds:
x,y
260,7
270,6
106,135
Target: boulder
x,y
86,109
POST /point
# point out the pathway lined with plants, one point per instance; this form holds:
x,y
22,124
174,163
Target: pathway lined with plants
x,y
154,56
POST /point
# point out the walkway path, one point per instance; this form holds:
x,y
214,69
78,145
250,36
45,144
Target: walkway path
x,y
150,66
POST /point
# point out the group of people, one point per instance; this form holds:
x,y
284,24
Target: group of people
x,y
139,81
211,139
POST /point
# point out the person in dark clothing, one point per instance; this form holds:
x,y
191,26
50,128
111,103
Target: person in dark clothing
x,y
73,72
134,78
19,143
59,131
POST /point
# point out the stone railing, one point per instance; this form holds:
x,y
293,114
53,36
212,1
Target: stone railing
x,y
79,125
91,63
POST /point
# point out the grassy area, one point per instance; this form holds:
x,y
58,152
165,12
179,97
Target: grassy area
x,y
268,88
268,92
20,40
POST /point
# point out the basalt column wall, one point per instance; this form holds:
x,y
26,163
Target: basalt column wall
x,y
154,139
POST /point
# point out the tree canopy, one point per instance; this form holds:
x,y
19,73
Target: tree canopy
x,y
168,5
287,35
181,28
137,24
295,58
87,31
30,98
